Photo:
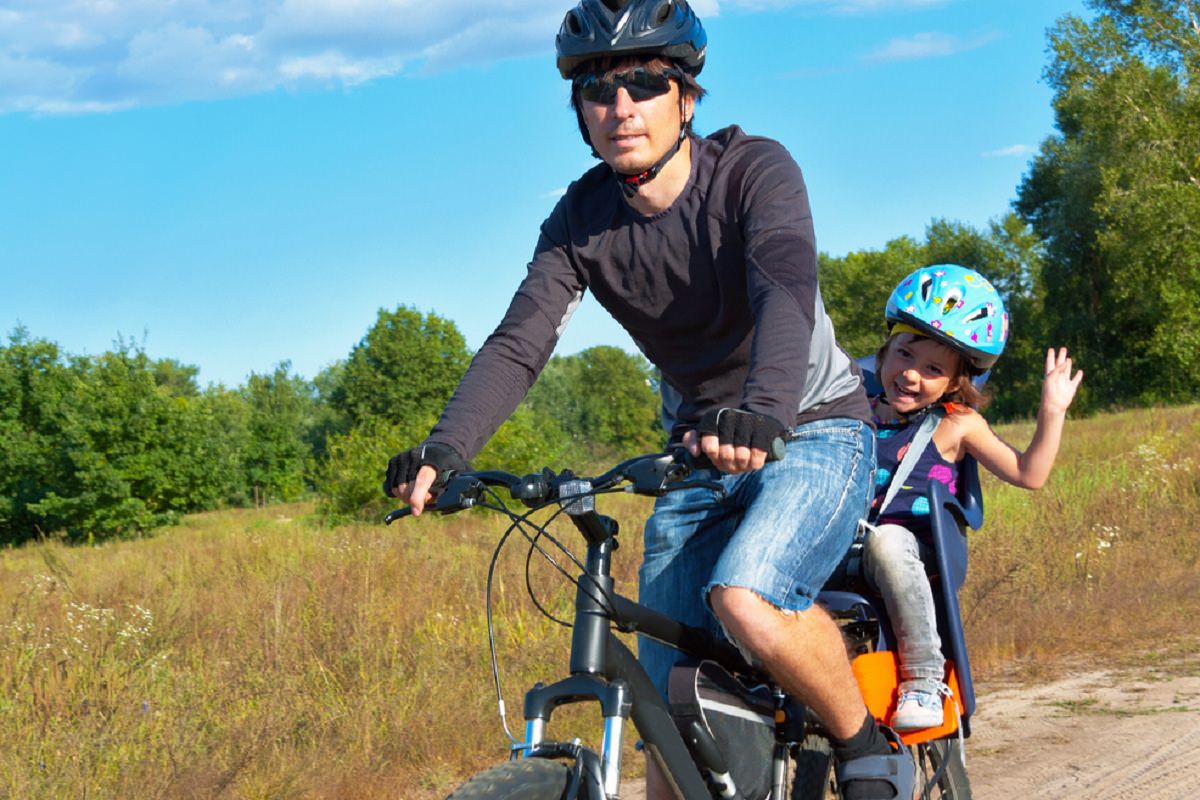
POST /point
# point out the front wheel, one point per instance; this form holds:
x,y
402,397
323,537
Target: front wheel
x,y
528,779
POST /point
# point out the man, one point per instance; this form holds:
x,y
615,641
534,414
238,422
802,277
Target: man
x,y
703,249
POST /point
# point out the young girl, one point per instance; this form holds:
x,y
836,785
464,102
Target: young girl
x,y
947,324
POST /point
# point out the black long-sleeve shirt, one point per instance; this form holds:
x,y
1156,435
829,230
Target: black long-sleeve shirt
x,y
719,291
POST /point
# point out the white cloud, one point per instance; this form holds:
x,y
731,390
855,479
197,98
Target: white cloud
x,y
928,45
1012,151
83,56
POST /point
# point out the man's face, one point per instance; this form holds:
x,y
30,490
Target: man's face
x,y
631,135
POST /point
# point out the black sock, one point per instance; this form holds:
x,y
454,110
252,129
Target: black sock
x,y
867,742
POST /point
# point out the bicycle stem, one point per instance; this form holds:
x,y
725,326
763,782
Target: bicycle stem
x,y
592,609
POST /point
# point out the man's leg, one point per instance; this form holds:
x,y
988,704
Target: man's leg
x,y
803,651
683,539
799,518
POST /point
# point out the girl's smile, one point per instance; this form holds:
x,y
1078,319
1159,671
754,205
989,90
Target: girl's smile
x,y
916,372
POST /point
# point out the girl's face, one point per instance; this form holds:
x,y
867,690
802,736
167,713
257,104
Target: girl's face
x,y
916,372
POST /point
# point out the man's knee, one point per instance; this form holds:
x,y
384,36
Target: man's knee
x,y
737,607
768,636
746,616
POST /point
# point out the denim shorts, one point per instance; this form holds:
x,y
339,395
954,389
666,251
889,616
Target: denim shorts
x,y
779,531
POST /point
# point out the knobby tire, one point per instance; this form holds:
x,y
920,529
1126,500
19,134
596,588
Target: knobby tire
x,y
528,779
952,783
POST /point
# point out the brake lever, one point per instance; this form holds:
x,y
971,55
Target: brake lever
x,y
399,513
460,492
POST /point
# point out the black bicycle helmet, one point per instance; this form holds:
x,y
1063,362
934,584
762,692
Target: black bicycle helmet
x,y
608,28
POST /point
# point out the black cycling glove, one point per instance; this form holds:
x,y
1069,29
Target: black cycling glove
x,y
744,428
403,468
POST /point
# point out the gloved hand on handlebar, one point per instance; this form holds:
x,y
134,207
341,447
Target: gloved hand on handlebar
x,y
738,441
414,473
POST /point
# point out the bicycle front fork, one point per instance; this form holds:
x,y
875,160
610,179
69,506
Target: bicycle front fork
x,y
615,703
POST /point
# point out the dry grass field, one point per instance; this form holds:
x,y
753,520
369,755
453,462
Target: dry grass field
x,y
257,654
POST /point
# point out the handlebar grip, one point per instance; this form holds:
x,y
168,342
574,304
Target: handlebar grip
x,y
776,452
399,513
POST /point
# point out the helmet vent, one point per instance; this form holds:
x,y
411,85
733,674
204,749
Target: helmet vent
x,y
573,25
977,314
951,301
925,288
662,12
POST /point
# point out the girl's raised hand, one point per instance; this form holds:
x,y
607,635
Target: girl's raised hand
x,y
1058,389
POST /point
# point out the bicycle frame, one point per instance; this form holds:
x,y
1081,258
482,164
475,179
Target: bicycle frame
x,y
605,671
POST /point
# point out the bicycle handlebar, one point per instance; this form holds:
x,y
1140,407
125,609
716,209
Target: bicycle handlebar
x,y
651,475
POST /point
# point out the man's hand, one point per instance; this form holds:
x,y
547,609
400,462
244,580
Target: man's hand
x,y
414,474
737,441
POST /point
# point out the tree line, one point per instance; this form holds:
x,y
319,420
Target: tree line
x,y
1101,253
93,447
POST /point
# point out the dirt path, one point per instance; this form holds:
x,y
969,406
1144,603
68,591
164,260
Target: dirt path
x,y
1100,735
1089,735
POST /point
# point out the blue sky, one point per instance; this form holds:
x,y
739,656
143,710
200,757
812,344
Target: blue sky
x,y
237,183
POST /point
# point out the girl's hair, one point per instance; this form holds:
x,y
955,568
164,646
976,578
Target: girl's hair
x,y
962,390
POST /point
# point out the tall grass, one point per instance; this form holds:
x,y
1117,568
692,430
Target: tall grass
x,y
255,654
1106,556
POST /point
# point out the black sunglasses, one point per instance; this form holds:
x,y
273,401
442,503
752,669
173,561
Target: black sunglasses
x,y
639,82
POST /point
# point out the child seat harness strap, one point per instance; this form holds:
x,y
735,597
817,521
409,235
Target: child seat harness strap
x,y
920,441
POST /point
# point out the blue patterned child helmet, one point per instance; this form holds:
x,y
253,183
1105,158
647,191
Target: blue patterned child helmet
x,y
955,306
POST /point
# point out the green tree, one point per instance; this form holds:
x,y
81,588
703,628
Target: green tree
x,y
1115,194
277,452
328,420
349,480
179,380
407,365
35,387
603,398
856,286
101,446
225,418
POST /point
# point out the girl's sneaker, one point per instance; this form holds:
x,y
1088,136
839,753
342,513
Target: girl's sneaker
x,y
920,705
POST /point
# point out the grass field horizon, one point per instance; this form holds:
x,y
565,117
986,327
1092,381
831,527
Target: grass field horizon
x,y
260,654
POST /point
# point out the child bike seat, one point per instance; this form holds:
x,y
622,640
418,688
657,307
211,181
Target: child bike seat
x,y
950,517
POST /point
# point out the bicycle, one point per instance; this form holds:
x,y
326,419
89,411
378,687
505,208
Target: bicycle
x,y
604,671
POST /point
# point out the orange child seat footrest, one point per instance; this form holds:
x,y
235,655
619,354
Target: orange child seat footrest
x,y
878,676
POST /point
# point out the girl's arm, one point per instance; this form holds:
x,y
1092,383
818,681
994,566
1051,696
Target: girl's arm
x,y
1029,469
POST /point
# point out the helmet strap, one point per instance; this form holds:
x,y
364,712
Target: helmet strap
x,y
631,183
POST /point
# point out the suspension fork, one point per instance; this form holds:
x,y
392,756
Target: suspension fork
x,y
615,701
588,664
